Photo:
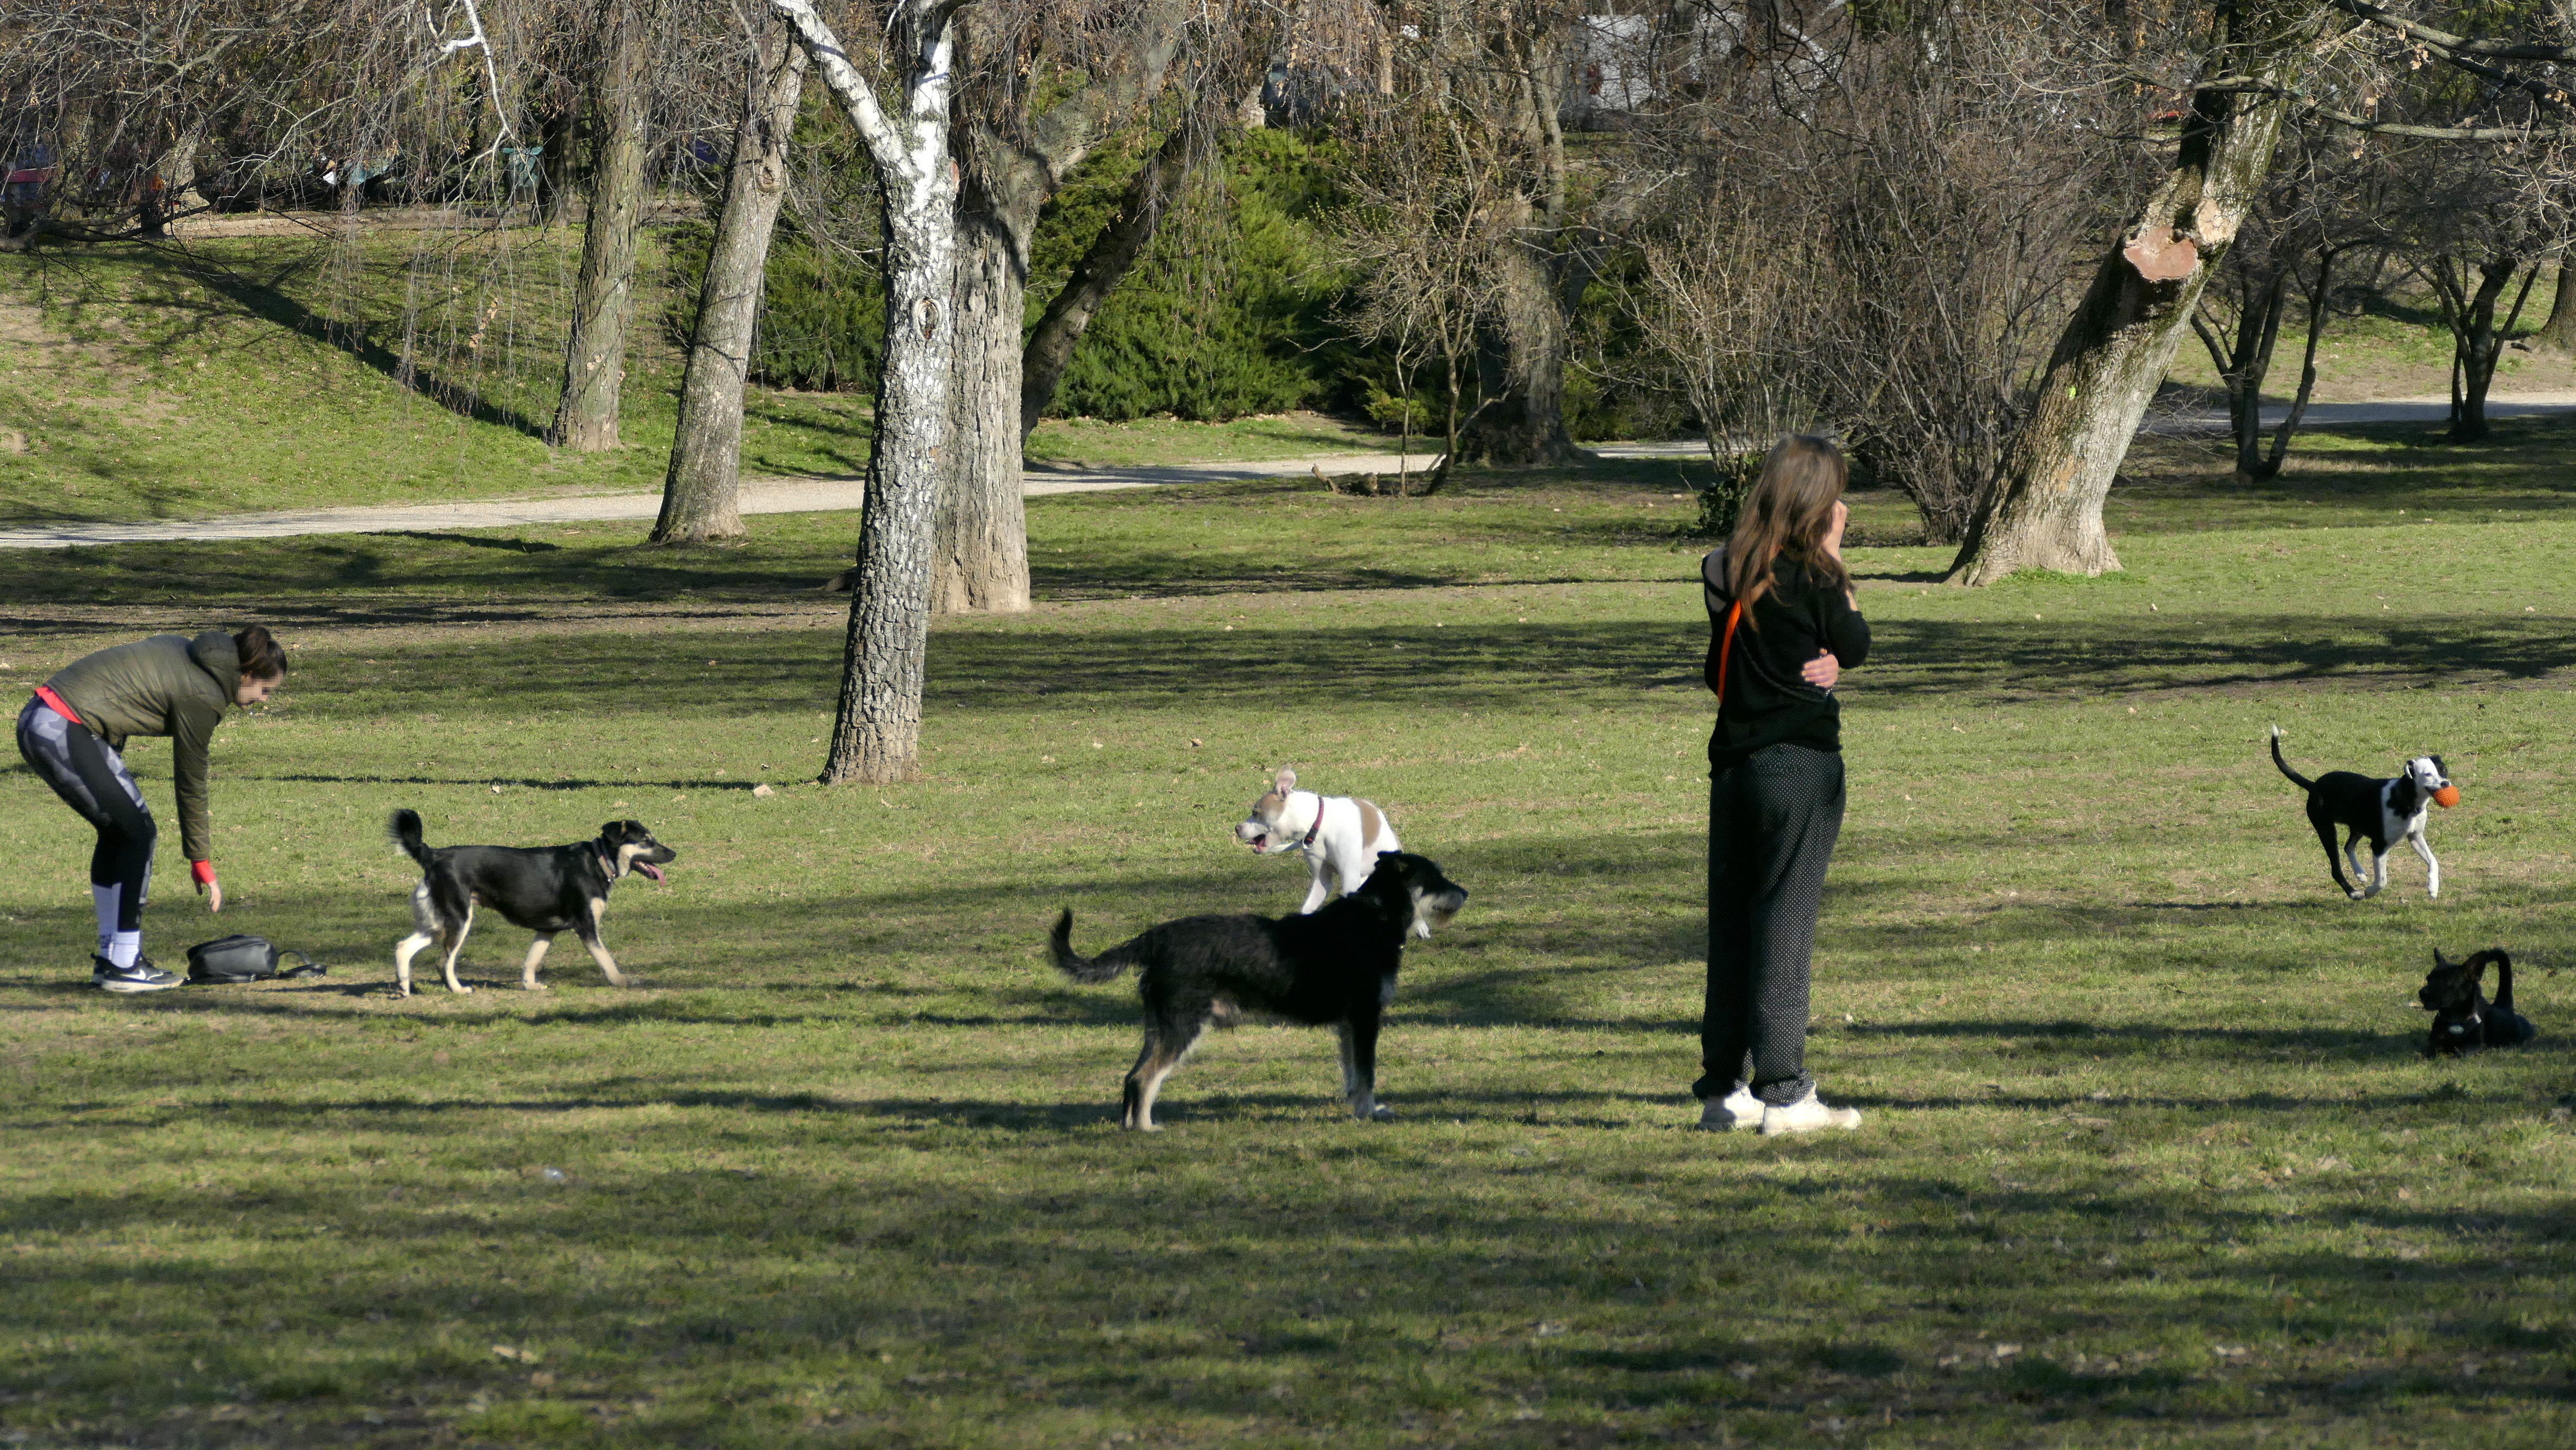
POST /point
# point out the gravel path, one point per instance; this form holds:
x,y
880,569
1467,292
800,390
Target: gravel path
x,y
759,496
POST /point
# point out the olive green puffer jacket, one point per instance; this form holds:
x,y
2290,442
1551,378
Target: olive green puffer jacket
x,y
166,685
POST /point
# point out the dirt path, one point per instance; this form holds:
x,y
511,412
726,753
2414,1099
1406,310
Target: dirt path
x,y
759,496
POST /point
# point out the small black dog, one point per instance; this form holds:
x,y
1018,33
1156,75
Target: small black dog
x,y
1335,967
2385,811
2463,1019
543,889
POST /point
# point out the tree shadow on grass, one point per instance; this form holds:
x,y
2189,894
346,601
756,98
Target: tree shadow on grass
x,y
266,300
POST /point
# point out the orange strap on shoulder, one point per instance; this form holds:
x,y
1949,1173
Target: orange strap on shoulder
x,y
1726,648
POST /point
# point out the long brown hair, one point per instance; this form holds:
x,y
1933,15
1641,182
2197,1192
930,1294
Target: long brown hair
x,y
262,658
1787,515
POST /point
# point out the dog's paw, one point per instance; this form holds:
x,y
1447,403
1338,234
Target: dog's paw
x,y
462,990
533,986
1381,1114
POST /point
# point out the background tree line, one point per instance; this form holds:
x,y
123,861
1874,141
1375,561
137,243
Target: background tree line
x,y
1968,238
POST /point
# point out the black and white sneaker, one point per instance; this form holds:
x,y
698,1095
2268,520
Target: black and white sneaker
x,y
141,977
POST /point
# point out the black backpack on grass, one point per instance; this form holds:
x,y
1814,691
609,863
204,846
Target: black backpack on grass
x,y
234,959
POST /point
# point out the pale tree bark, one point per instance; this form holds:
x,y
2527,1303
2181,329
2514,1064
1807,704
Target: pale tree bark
x,y
2044,510
701,492
1011,162
604,290
876,733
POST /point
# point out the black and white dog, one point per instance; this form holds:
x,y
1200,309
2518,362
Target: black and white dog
x,y
2463,1019
2381,810
1331,968
543,889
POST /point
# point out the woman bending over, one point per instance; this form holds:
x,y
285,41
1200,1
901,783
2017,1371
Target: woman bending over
x,y
73,734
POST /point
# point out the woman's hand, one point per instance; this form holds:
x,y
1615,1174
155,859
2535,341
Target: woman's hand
x,y
214,894
1821,671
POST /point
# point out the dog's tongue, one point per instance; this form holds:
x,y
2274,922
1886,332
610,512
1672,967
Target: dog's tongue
x,y
649,869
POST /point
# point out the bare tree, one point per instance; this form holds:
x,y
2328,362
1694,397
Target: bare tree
x,y
701,490
2319,209
2262,62
2045,509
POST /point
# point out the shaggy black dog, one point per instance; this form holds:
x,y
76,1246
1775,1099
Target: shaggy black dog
x,y
2463,1019
1335,967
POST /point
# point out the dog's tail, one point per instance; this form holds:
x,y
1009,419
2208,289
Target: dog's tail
x,y
2504,974
2301,781
405,829
1077,966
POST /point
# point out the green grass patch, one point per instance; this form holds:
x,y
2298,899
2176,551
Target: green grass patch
x,y
2152,1157
245,374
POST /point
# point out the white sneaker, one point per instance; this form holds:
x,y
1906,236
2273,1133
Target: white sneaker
x,y
1806,1115
1738,1109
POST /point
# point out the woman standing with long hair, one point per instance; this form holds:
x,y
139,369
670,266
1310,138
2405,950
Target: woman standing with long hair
x,y
1783,625
73,735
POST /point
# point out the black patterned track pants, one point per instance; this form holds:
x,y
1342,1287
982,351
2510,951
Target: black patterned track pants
x,y
1772,822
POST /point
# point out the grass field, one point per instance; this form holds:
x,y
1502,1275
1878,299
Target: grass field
x,y
258,373
2152,1157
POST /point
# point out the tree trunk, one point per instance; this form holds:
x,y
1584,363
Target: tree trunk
x,y
558,135
700,493
1522,367
876,733
2269,467
1533,273
2245,360
2044,510
983,555
1010,161
2477,342
2558,334
604,291
1112,255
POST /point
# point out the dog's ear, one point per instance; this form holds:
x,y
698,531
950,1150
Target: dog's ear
x,y
2439,768
2440,961
1287,781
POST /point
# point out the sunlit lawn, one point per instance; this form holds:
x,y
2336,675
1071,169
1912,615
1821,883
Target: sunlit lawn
x,y
2151,1157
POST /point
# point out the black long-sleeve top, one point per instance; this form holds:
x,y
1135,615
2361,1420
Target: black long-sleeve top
x,y
1766,703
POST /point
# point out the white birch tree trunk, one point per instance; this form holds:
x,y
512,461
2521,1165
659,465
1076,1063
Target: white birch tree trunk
x,y
876,736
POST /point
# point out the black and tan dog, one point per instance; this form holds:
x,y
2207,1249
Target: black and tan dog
x,y
543,889
2463,1019
1334,967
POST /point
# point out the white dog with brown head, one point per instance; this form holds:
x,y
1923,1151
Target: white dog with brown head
x,y
1341,836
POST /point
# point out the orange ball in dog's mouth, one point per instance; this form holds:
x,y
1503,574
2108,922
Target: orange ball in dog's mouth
x,y
2447,797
